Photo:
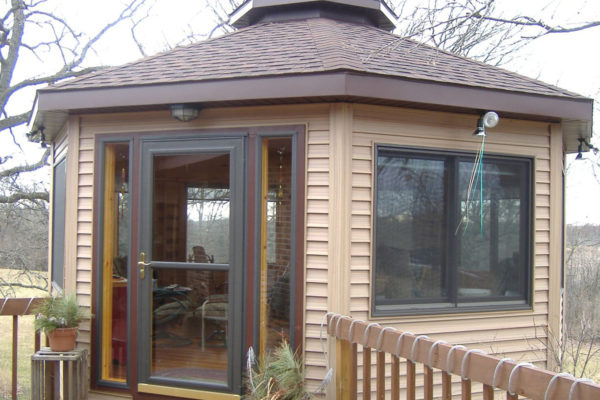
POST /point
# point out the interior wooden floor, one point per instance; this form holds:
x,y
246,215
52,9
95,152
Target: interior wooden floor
x,y
177,354
177,351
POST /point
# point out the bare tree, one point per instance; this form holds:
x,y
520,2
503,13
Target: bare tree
x,y
577,349
38,46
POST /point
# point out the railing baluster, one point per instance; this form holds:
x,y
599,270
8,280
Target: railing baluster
x,y
395,378
380,375
410,380
511,396
366,373
428,376
353,371
488,392
466,389
446,386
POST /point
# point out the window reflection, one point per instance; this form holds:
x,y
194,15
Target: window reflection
x,y
410,228
191,207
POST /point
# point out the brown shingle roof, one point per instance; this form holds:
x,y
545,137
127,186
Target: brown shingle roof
x,y
309,46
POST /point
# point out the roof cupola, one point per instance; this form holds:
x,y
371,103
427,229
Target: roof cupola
x,y
370,12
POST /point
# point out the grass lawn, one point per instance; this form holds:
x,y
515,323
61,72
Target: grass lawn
x,y
25,348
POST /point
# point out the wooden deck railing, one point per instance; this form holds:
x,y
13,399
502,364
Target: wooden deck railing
x,y
472,366
17,307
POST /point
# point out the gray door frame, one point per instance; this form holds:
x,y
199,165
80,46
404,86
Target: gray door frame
x,y
235,146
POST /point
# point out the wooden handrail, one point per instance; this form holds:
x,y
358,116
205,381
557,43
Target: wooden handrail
x,y
17,307
472,365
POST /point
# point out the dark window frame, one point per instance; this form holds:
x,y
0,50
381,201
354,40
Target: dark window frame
x,y
451,304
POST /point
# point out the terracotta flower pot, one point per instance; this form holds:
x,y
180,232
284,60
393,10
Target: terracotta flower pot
x,y
62,339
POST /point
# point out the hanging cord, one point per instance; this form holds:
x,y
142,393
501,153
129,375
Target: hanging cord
x,y
380,337
431,349
414,347
351,329
512,374
495,378
574,385
329,375
399,342
449,356
463,367
366,333
554,378
476,177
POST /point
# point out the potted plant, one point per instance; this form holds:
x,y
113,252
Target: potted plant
x,y
58,317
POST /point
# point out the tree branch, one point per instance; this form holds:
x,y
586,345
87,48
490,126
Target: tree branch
x,y
28,167
14,120
529,21
28,196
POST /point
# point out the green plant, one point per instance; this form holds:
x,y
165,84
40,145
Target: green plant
x,y
278,376
59,312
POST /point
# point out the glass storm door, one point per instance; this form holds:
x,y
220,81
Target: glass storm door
x,y
190,265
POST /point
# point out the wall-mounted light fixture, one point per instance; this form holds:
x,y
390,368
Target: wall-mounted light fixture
x,y
184,112
590,146
37,136
488,120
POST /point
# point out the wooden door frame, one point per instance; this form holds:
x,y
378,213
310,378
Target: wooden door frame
x,y
253,135
298,135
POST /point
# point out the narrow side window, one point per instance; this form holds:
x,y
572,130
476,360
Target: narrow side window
x,y
59,189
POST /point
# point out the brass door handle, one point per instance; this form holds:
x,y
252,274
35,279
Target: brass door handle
x,y
143,264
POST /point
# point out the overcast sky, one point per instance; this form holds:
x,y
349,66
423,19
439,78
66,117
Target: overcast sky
x,y
568,60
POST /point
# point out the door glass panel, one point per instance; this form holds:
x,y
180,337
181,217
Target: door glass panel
x,y
189,329
190,303
191,208
114,262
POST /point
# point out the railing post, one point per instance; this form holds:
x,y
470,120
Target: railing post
x,y
15,343
342,361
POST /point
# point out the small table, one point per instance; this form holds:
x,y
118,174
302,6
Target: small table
x,y
49,369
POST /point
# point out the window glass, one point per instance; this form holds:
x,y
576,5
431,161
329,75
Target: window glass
x,y
410,228
490,252
115,250
58,221
436,248
276,236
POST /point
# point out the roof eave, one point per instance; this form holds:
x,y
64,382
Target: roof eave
x,y
575,113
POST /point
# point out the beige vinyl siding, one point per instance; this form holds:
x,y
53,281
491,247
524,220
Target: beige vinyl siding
x,y
314,117
520,335
60,146
338,233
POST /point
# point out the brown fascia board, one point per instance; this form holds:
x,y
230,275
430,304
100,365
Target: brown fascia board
x,y
335,84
